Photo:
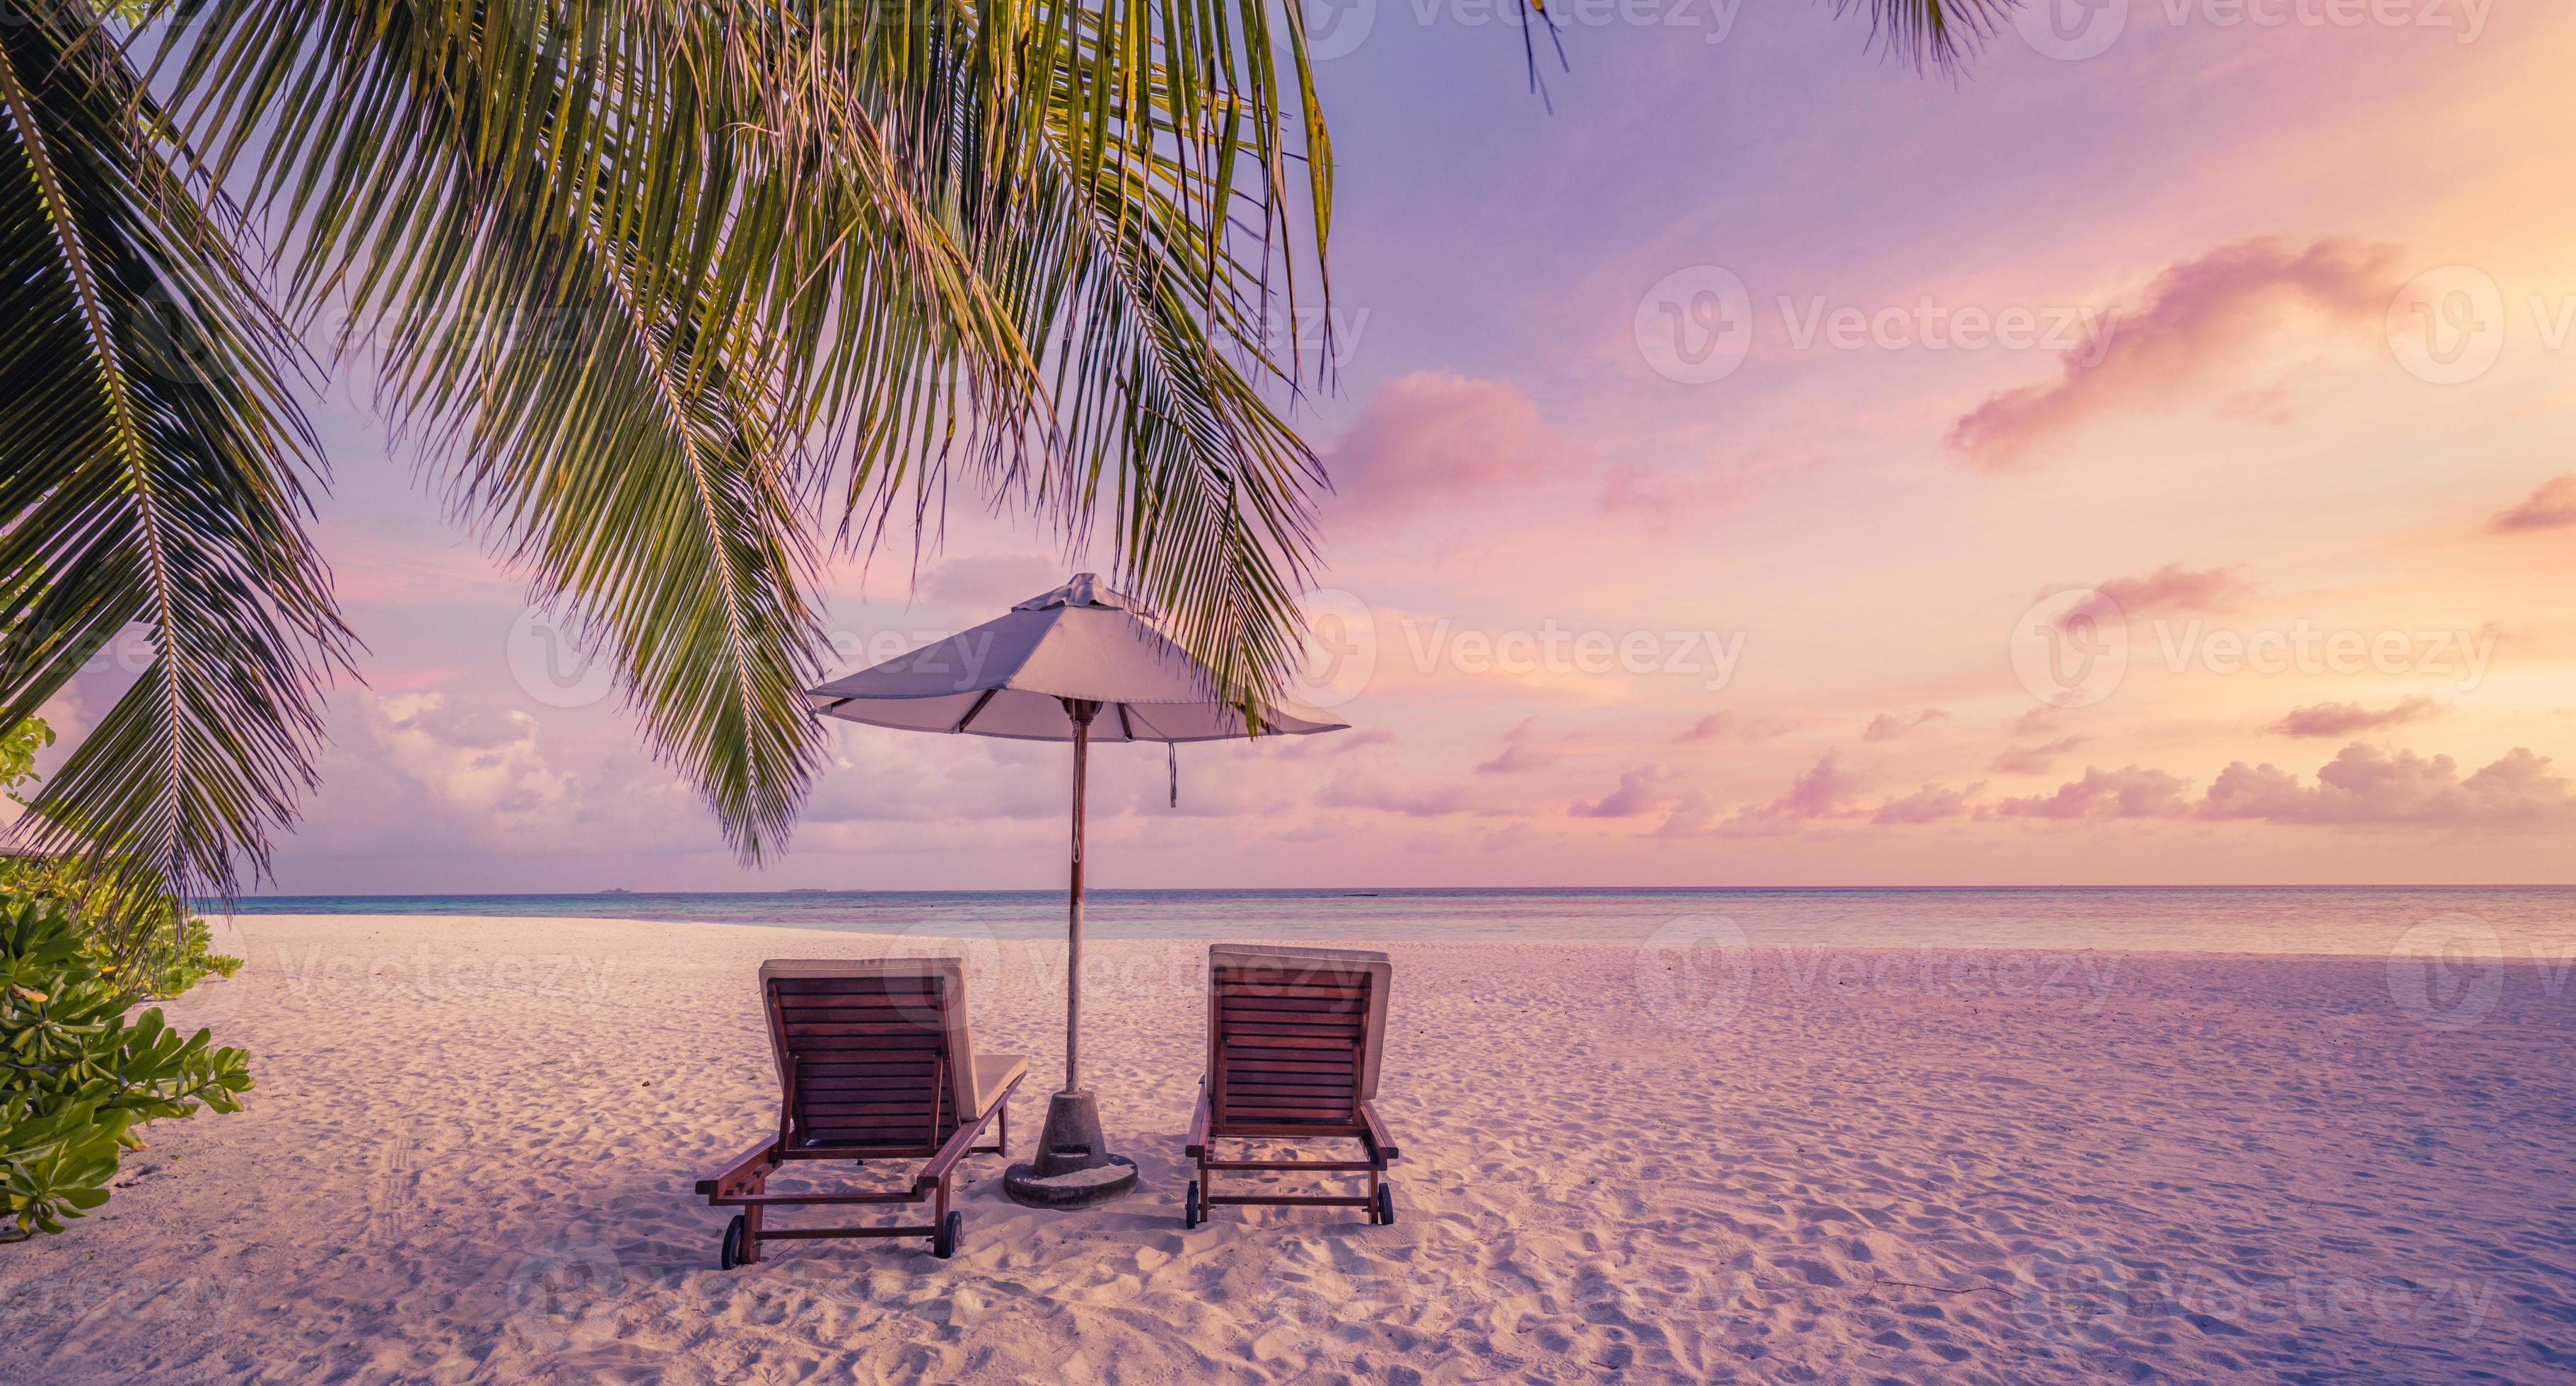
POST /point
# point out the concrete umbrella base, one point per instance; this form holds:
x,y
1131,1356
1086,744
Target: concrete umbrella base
x,y
1071,1169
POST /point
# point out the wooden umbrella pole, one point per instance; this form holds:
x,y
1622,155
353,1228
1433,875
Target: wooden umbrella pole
x,y
1082,712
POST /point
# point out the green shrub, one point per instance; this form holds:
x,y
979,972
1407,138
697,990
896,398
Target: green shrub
x,y
78,1073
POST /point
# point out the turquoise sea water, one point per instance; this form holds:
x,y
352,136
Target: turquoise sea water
x,y
2533,921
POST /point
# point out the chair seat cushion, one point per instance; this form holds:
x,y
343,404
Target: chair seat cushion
x,y
993,1073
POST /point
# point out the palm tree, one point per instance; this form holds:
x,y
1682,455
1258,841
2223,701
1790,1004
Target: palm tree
x,y
682,295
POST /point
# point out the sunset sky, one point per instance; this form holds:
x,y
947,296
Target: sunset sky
x,y
2265,334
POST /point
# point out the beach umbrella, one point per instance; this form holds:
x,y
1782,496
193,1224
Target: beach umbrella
x,y
1080,664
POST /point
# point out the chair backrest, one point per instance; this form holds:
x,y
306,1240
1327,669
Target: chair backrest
x,y
872,1052
1295,1035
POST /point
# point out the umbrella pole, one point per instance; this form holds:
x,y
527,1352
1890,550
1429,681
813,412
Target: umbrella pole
x,y
1082,712
1070,1149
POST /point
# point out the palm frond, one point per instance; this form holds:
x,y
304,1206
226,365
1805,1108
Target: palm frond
x,y
529,211
1937,33
153,469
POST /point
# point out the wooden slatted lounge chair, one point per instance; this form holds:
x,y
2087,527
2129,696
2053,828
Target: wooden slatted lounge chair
x,y
1294,1040
874,1063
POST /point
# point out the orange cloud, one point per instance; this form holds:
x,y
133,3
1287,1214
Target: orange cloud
x,y
2345,719
2134,792
2034,760
1640,791
1435,436
2366,785
2552,506
1887,726
1930,804
2196,321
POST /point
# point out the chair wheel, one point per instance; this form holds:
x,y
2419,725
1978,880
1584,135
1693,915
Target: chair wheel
x,y
1190,1205
943,1243
729,1255
1385,1210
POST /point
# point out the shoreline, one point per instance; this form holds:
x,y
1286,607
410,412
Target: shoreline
x,y
1092,938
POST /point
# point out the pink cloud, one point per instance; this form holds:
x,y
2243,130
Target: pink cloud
x,y
2037,720
1726,726
2552,506
2195,322
1888,726
2346,719
1435,436
1521,752
2034,760
1360,789
2134,792
1930,804
2174,587
1640,791
2367,785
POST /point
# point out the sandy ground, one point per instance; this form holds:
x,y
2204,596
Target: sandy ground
x,y
470,1154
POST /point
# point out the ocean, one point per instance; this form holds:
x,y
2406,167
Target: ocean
x,y
2537,922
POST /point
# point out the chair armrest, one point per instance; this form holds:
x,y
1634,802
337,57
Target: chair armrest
x,y
964,1136
1379,1141
746,1168
1199,1125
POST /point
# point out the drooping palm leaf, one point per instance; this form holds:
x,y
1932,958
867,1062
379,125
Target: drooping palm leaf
x,y
1938,32
152,469
647,275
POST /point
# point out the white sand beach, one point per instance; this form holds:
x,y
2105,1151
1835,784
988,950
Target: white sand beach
x,y
470,1154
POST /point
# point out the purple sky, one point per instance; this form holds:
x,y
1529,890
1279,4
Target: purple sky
x,y
1819,380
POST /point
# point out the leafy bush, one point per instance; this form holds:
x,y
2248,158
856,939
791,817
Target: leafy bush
x,y
77,1073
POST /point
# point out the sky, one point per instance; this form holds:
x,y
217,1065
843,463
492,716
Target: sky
x,y
2144,458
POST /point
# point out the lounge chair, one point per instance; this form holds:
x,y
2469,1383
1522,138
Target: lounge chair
x,y
1294,1040
874,1063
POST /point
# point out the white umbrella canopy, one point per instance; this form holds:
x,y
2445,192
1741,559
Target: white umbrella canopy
x,y
1076,664
1014,678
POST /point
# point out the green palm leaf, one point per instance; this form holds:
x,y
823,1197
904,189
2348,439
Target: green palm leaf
x,y
153,470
